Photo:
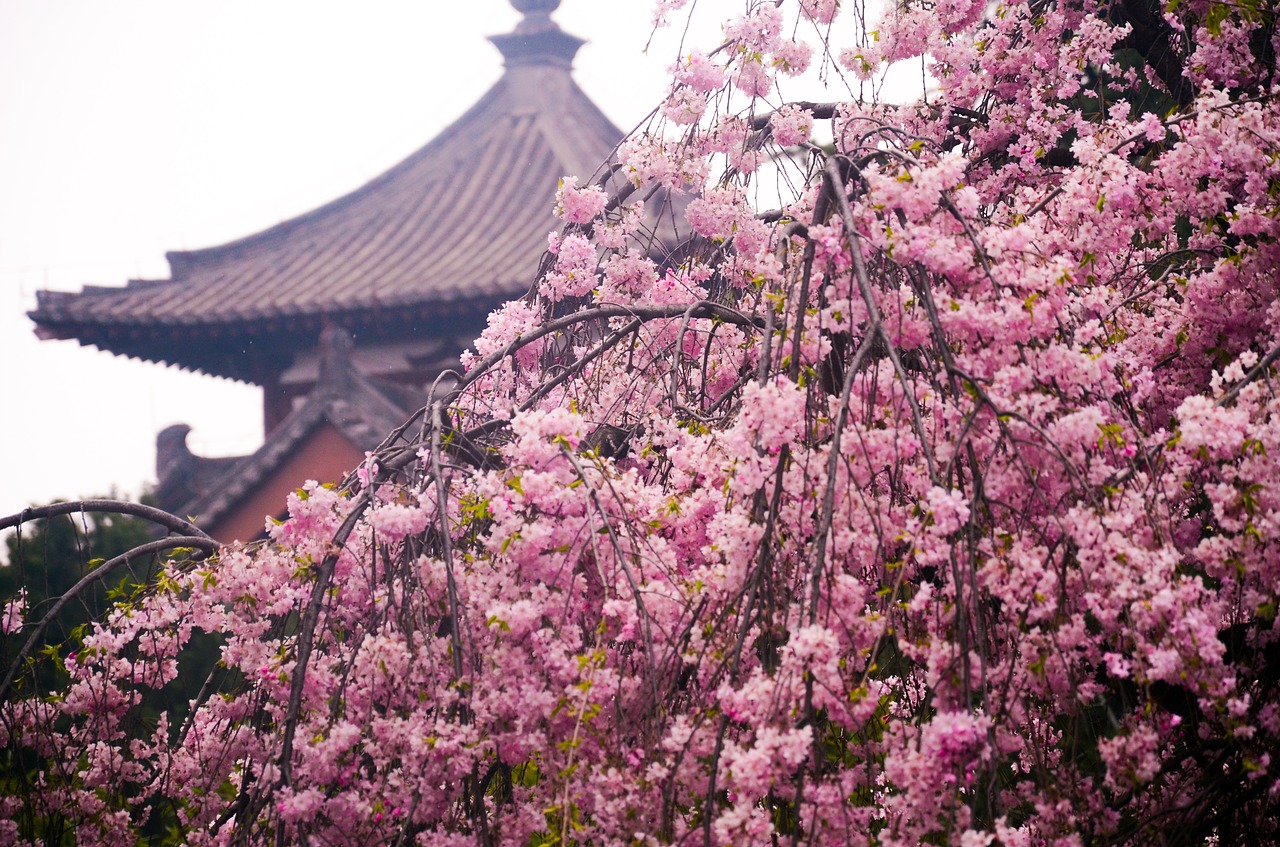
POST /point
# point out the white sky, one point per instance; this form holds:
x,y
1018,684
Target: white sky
x,y
132,127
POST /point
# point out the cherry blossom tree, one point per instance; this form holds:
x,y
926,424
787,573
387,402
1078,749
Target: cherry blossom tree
x,y
927,494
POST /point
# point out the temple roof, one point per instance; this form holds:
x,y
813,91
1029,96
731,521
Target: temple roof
x,y
454,229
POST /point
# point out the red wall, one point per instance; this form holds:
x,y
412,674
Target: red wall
x,y
325,456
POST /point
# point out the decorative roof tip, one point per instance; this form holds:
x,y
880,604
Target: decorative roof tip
x,y
536,7
537,40
336,345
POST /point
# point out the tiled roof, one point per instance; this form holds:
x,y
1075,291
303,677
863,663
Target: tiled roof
x,y
454,229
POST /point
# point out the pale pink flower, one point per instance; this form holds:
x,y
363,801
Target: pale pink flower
x,y
14,614
579,205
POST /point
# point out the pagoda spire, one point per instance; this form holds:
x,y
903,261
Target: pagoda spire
x,y
537,40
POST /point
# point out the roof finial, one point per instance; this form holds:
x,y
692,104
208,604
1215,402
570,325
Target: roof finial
x,y
537,39
530,7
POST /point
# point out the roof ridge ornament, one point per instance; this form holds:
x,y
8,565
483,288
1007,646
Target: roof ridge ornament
x,y
537,40
337,371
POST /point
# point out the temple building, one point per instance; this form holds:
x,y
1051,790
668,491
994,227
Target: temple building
x,y
396,277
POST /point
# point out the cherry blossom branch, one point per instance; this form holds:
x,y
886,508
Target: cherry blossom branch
x,y
446,540
121,507
833,183
306,632
620,554
833,466
700,309
102,571
1256,371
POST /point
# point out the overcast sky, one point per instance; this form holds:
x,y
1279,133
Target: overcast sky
x,y
132,127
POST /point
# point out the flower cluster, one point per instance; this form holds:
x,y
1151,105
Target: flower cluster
x,y
579,205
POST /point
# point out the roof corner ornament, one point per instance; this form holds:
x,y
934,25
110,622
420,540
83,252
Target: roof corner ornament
x,y
172,451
